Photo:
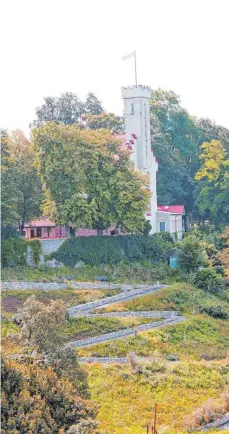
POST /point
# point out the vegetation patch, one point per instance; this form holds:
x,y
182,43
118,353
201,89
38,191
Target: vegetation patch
x,y
195,339
13,299
127,398
180,296
112,250
84,327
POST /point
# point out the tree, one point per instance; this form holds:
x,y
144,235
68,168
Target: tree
x,y
42,328
103,120
174,142
191,254
223,255
65,109
92,105
208,131
35,400
22,189
89,179
9,191
212,194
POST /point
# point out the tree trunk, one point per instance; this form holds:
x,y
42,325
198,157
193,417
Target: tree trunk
x,y
99,232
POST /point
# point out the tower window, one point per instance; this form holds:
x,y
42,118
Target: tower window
x,y
132,109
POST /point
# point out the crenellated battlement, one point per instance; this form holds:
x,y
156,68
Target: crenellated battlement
x,y
139,91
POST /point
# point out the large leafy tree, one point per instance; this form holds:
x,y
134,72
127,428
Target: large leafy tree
x,y
89,179
174,141
9,190
68,109
208,131
21,185
213,189
92,105
108,121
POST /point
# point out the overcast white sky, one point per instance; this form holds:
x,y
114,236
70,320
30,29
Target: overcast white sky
x,y
53,46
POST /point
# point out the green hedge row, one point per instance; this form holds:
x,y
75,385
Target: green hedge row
x,y
111,250
14,251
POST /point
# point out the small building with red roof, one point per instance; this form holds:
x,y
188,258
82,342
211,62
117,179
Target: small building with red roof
x,y
170,218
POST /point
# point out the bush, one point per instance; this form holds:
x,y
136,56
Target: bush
x,y
112,250
208,280
215,310
14,252
190,254
36,250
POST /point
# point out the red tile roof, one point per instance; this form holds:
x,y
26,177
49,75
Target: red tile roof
x,y
174,209
40,223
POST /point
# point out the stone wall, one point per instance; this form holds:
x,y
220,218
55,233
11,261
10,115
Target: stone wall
x,y
49,246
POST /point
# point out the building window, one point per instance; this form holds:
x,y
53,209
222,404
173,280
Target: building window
x,y
132,109
162,227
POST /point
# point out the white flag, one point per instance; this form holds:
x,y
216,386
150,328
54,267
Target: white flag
x,y
128,56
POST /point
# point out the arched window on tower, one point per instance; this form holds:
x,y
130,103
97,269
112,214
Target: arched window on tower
x,y
132,109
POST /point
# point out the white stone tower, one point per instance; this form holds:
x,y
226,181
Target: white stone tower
x,y
137,129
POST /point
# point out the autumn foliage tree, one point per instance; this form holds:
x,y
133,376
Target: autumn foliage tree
x,y
213,197
35,400
89,179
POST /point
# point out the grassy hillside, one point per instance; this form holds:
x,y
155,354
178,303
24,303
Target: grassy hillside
x,y
186,363
127,398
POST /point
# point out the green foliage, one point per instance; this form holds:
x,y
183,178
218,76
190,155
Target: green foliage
x,y
93,105
14,252
8,232
174,135
89,179
215,310
8,328
212,195
209,280
111,250
108,121
196,338
29,391
190,254
36,250
21,185
68,109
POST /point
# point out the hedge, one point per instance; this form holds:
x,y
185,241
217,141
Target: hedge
x,y
36,250
111,250
14,252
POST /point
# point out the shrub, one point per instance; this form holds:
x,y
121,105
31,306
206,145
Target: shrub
x,y
14,252
36,250
112,250
35,400
208,280
190,254
208,413
215,310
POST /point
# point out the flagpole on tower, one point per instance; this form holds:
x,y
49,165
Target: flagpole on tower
x,y
131,55
135,66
